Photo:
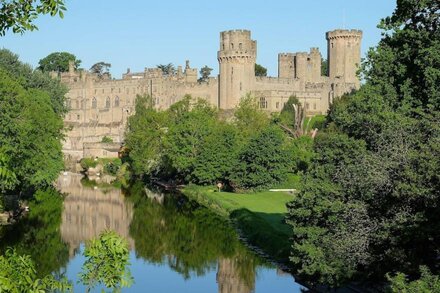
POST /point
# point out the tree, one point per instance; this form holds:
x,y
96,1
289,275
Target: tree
x,y
260,70
205,72
58,61
248,117
18,274
167,69
20,15
34,79
427,283
30,134
184,139
101,69
263,162
324,67
370,199
107,260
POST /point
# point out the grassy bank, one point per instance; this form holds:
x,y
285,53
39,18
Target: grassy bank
x,y
260,216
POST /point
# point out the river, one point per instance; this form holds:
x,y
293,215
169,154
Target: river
x,y
175,246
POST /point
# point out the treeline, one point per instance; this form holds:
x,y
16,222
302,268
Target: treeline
x,y
31,127
194,142
370,203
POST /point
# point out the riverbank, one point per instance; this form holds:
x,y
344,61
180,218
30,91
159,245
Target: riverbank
x,y
259,216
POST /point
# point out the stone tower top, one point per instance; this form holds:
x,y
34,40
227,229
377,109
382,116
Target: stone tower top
x,y
342,33
237,42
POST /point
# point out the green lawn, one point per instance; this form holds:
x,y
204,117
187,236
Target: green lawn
x,y
271,206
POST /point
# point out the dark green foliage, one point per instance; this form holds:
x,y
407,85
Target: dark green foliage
x,y
260,70
38,234
218,155
101,69
324,67
20,15
205,72
426,284
369,204
263,162
30,133
30,79
167,69
58,62
287,115
112,167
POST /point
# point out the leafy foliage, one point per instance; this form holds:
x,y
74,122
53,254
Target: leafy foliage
x,y
167,69
107,139
101,69
369,203
260,70
20,15
263,162
427,283
107,258
30,133
18,274
58,62
205,72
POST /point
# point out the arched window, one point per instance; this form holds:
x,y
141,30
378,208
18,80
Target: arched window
x,y
94,103
240,45
263,103
107,102
117,101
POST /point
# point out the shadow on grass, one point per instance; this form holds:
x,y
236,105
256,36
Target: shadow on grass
x,y
267,231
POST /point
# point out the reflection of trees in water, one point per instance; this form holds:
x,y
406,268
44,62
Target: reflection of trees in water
x,y
191,241
89,211
38,234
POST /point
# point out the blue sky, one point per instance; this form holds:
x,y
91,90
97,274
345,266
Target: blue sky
x,y
142,33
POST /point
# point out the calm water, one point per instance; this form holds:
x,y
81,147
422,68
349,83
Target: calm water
x,y
175,247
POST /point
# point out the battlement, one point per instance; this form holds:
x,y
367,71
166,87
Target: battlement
x,y
237,32
341,33
314,50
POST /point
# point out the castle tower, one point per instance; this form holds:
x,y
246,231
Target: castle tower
x,y
286,65
344,55
236,57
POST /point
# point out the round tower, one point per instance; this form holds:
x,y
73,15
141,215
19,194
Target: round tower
x,y
344,55
236,57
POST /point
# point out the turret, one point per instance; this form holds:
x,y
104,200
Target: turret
x,y
236,57
344,55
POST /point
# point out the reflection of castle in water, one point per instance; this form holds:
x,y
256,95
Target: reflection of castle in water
x,y
230,280
87,212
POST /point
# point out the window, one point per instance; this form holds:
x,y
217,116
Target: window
x,y
278,105
107,102
102,90
77,117
117,101
314,106
68,104
240,46
232,46
263,103
307,106
77,104
94,103
241,86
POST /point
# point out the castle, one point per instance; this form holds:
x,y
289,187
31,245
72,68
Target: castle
x,y
100,106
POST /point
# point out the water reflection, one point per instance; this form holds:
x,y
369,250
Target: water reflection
x,y
176,245
90,210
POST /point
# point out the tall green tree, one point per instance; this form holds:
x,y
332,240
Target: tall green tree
x,y
167,69
58,61
205,72
20,15
101,69
369,203
260,70
263,162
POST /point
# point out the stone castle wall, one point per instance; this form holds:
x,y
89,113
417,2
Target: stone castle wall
x,y
100,107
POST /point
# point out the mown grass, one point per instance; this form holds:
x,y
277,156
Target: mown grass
x,y
260,215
